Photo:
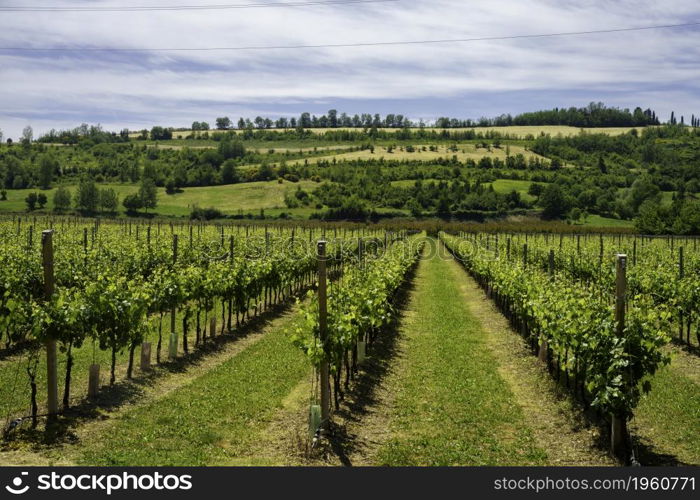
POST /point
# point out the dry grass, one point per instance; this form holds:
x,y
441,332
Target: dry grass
x,y
515,131
464,152
685,363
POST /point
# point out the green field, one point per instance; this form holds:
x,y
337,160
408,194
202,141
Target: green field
x,y
508,185
600,221
231,199
250,198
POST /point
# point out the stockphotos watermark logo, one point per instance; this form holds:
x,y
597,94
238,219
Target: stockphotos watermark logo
x,y
105,483
18,487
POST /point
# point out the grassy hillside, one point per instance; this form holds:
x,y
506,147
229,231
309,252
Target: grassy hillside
x,y
230,199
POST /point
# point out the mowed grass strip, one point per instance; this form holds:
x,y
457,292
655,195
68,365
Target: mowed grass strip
x,y
214,419
667,419
452,407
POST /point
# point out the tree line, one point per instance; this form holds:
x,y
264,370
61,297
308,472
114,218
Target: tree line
x,y
593,115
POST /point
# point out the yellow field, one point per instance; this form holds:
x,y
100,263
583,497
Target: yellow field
x,y
553,130
515,131
523,131
464,152
165,145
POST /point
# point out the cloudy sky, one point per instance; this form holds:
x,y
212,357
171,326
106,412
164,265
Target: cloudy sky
x,y
61,89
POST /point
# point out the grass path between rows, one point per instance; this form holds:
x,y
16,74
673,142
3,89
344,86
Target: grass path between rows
x,y
452,384
451,406
556,422
667,419
210,415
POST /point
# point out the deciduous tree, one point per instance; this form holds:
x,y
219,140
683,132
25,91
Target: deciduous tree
x,y
61,199
223,123
87,197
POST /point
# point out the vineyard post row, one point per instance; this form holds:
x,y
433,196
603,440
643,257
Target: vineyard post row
x,y
47,252
172,345
618,430
683,318
51,361
323,334
546,263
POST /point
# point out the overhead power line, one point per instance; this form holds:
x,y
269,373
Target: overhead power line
x,y
345,45
145,8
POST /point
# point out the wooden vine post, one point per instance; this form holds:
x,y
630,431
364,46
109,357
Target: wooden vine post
x,y
680,277
172,347
51,362
542,354
618,429
94,381
323,333
145,356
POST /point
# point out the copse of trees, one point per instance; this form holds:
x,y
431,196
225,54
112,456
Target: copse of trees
x,y
35,200
594,115
146,197
231,148
87,196
85,133
109,201
27,135
457,198
161,134
200,126
681,217
223,123
48,167
62,199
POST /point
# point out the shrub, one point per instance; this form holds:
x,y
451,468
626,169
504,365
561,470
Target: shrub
x,y
198,213
170,187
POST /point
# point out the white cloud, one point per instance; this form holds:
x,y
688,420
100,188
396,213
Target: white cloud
x,y
656,68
